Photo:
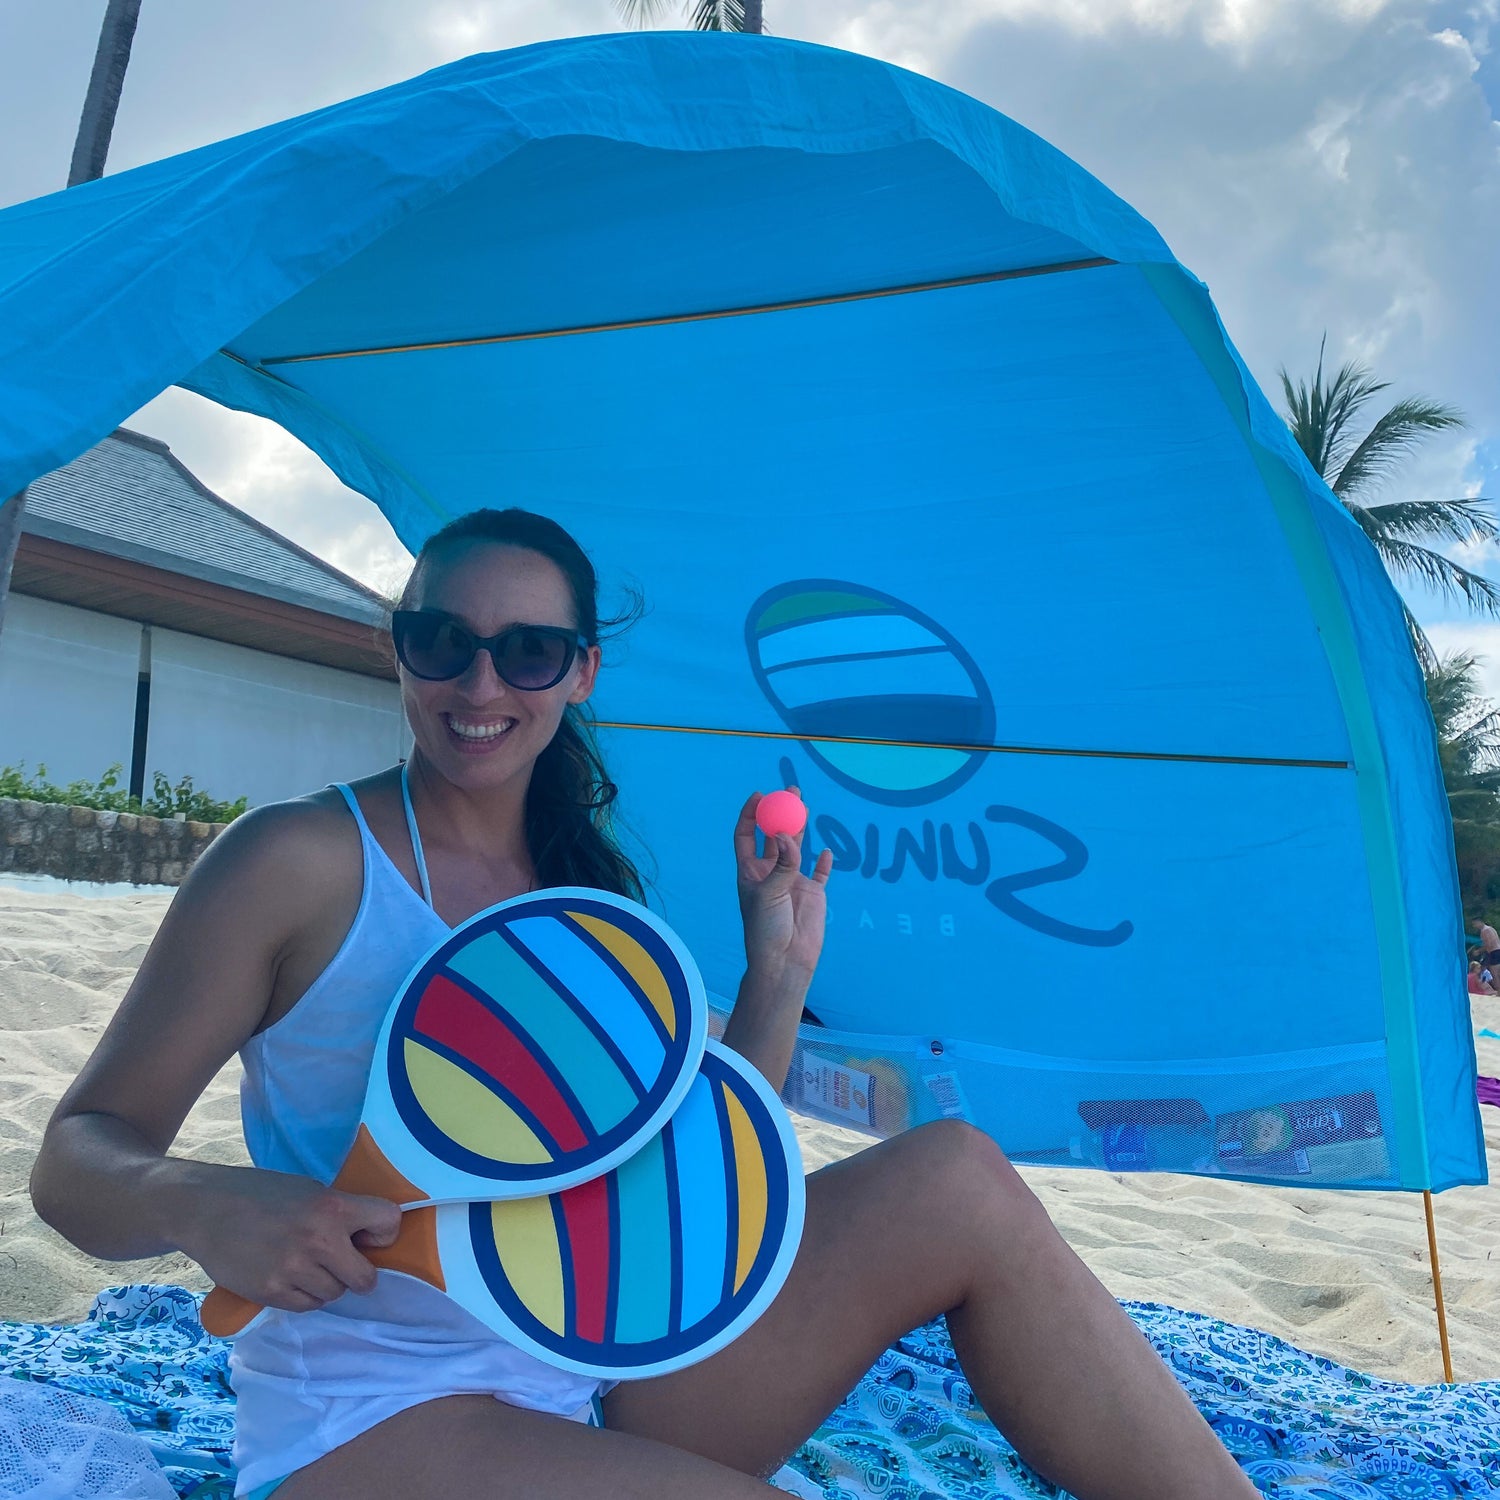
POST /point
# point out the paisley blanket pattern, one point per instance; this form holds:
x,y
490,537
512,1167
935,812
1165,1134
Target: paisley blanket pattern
x,y
1304,1428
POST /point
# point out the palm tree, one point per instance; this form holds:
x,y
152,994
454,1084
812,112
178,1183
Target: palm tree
x,y
705,15
1324,418
1468,733
95,127
1468,730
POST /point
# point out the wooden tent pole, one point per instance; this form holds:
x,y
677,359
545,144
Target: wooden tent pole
x,y
1437,1287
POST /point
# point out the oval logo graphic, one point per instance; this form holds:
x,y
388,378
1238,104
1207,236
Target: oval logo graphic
x,y
539,1045
657,1264
884,699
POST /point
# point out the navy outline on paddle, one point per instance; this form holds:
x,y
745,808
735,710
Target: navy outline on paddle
x,y
674,1231
647,1100
637,1085
666,962
677,1341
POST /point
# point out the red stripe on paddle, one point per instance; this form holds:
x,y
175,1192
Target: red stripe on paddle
x,y
586,1213
452,1016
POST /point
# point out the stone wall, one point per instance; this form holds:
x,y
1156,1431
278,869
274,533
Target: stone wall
x,y
81,843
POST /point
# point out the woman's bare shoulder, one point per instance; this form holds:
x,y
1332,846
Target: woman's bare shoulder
x,y
289,855
302,828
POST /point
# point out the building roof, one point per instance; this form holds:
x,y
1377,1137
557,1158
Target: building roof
x,y
130,497
126,530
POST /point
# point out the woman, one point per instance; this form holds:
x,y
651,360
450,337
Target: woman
x,y
287,944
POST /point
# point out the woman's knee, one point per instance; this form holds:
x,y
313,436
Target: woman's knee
x,y
957,1158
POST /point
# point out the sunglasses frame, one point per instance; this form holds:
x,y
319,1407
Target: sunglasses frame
x,y
490,643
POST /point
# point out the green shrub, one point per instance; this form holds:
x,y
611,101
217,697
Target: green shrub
x,y
165,801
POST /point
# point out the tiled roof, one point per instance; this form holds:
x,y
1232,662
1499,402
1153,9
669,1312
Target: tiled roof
x,y
130,497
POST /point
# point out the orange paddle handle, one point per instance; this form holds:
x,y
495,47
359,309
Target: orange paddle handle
x,y
414,1251
225,1313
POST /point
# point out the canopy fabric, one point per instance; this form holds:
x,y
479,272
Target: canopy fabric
x,y
951,502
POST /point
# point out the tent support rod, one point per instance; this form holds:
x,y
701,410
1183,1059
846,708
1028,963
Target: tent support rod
x,y
849,739
697,317
1437,1287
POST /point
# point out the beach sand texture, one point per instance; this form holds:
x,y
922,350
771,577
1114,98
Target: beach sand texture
x,y
1344,1275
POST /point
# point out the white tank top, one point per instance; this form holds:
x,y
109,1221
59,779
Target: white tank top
x,y
308,1382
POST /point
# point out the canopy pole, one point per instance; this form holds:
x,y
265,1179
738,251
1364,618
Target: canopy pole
x,y
667,319
1437,1286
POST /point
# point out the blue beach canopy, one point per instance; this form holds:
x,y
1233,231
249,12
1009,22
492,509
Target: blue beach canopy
x,y
952,503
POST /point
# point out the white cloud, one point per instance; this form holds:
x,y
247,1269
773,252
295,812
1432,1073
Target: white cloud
x,y
265,471
1482,638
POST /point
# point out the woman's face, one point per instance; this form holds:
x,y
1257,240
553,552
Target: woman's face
x,y
475,729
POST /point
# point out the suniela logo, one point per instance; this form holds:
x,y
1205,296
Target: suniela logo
x,y
856,675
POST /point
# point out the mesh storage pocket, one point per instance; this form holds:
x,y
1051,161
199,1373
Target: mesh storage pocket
x,y
1320,1117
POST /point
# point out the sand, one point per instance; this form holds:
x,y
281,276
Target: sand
x,y
1344,1275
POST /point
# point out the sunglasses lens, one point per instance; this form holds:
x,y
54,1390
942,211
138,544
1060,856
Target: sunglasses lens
x,y
432,647
533,659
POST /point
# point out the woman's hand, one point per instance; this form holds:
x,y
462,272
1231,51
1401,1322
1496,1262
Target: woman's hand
x,y
783,910
286,1241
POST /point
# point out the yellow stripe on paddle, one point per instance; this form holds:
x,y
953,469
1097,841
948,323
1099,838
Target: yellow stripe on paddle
x,y
750,1169
468,1113
526,1241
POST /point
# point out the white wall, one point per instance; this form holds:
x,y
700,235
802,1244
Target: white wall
x,y
245,723
67,689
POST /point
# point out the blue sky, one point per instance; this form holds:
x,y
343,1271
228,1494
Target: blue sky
x,y
1324,165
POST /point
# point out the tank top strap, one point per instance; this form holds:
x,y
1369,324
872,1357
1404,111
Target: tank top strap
x,y
374,855
416,837
347,793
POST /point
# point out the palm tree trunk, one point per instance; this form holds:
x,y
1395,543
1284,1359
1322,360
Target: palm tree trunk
x,y
97,123
95,127
755,16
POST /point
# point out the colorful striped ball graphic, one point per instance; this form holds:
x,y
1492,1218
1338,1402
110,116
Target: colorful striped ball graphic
x,y
847,668
660,1262
540,1043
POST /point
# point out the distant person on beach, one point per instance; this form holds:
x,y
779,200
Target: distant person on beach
x,y
1489,945
1479,980
287,944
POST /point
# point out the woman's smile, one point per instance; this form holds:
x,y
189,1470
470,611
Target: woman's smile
x,y
473,734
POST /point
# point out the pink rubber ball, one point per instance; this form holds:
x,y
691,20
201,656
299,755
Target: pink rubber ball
x,y
781,812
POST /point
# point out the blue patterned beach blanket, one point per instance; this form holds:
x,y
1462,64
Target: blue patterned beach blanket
x,y
1303,1428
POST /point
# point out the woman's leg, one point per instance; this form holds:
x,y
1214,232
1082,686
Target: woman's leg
x,y
938,1221
477,1448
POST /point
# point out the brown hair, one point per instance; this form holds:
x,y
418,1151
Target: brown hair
x,y
569,824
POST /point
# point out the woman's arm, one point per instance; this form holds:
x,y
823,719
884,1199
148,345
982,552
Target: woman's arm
x,y
103,1177
783,912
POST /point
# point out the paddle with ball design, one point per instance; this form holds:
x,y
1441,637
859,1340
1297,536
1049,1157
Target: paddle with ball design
x,y
535,1048
648,1268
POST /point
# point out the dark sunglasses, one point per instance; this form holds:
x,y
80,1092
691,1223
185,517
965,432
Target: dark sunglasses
x,y
436,648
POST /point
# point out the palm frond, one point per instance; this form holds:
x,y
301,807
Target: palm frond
x,y
1468,729
1440,574
1422,649
1390,440
643,12
1321,413
702,15
1369,522
1452,685
1468,520
718,15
